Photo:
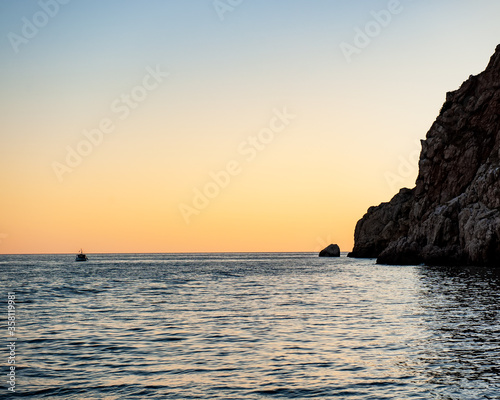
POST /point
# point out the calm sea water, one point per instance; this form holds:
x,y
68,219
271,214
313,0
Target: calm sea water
x,y
249,326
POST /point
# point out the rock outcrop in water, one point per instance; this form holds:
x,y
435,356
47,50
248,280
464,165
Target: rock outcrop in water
x,y
332,250
452,216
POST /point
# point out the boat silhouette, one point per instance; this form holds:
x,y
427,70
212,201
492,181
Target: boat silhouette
x,y
81,257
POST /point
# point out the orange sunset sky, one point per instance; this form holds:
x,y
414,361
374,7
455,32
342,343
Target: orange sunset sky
x,y
200,126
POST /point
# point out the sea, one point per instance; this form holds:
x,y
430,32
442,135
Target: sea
x,y
246,326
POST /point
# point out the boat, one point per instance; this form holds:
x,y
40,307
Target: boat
x,y
81,257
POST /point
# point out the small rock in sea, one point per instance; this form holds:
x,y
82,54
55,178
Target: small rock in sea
x,y
332,250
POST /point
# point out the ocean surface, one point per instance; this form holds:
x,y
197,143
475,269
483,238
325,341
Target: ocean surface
x,y
248,326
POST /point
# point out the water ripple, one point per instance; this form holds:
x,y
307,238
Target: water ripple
x,y
252,326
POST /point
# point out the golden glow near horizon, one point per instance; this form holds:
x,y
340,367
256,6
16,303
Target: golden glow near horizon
x,y
184,127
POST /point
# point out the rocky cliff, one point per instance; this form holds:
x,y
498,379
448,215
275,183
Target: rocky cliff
x,y
452,216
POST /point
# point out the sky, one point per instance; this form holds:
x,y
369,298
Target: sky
x,y
219,126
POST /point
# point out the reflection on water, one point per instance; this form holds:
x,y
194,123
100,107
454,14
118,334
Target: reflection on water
x,y
252,326
461,310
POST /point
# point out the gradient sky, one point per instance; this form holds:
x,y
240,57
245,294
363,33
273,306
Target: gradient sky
x,y
352,141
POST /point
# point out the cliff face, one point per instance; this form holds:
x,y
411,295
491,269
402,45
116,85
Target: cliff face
x,y
452,216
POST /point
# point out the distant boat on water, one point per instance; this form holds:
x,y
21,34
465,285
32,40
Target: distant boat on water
x,y
81,257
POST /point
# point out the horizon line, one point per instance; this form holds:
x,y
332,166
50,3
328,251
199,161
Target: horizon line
x,y
182,252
